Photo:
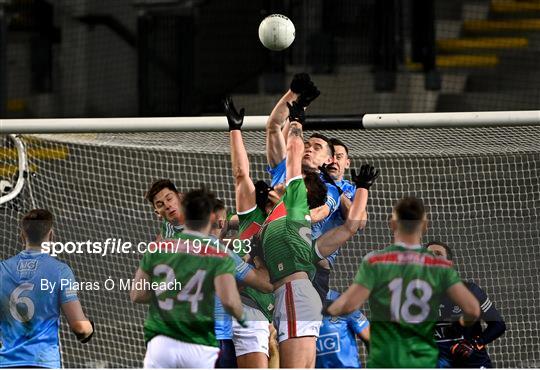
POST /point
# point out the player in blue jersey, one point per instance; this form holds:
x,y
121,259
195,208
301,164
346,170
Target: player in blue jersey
x,y
334,174
35,288
465,347
317,153
336,345
317,149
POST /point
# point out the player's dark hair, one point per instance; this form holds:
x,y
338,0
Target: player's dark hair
x,y
316,190
36,224
410,212
261,194
449,254
158,186
336,142
197,206
326,139
219,205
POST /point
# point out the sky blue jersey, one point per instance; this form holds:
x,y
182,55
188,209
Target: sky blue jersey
x,y
33,286
278,174
336,219
336,345
223,320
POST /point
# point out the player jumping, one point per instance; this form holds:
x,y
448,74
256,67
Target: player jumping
x,y
405,284
29,314
251,343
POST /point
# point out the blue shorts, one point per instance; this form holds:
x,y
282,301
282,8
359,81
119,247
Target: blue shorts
x,y
227,355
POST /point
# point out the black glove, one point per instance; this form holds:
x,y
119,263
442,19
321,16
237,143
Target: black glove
x,y
235,118
366,177
296,113
87,339
305,88
328,179
462,350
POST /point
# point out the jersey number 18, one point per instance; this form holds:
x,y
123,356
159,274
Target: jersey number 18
x,y
402,310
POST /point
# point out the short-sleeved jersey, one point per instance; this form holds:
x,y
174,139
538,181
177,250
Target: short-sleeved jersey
x,y
223,324
407,286
33,287
336,345
170,231
250,224
185,314
286,234
278,174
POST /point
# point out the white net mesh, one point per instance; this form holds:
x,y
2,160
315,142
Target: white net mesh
x,y
481,186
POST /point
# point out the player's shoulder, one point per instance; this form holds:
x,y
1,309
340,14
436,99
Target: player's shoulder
x,y
474,288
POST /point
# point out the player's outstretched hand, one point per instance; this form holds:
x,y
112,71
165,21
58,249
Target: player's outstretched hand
x,y
296,113
327,178
234,118
305,88
365,177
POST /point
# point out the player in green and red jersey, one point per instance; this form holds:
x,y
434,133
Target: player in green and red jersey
x,y
251,343
290,256
165,200
179,328
405,284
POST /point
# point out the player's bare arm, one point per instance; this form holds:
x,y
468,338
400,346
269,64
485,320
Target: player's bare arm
x,y
319,213
259,279
330,241
462,296
227,292
353,298
365,335
77,321
275,141
302,90
295,142
140,295
245,190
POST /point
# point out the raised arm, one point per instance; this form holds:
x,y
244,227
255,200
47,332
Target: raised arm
x,y
295,141
275,141
245,190
330,241
302,90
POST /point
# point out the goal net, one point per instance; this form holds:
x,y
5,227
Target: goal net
x,y
481,186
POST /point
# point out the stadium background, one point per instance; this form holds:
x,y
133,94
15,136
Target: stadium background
x,y
96,58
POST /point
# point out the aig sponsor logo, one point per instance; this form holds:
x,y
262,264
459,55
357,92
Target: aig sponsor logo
x,y
27,265
328,343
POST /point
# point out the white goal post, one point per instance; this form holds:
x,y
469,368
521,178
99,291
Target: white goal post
x,y
478,174
255,123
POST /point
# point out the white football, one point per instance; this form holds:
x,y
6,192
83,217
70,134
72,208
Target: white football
x,y
276,32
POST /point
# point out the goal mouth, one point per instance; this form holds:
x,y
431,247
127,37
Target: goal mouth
x,y
480,186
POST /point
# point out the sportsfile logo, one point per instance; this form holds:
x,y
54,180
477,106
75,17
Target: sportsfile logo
x,y
328,343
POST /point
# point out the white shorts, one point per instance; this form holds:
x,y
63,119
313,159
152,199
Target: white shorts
x,y
298,310
254,338
165,352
